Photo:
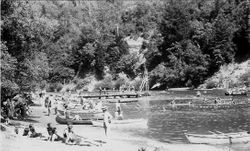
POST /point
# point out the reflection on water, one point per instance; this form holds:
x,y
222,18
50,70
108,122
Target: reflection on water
x,y
169,125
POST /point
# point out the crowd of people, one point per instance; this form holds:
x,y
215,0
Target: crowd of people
x,y
68,136
19,108
15,108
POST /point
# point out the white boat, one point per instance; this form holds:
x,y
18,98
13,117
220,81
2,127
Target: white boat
x,y
99,123
222,138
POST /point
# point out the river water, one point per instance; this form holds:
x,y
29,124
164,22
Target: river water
x,y
169,125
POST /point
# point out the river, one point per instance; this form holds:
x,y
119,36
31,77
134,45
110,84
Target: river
x,y
169,125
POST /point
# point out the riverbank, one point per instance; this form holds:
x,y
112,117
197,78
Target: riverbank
x,y
118,140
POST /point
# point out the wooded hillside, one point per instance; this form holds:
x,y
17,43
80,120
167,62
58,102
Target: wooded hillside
x,y
184,42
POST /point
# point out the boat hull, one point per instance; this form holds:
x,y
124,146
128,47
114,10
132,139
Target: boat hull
x,y
62,120
85,115
232,138
120,122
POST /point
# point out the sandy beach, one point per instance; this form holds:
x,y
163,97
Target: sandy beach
x,y
118,140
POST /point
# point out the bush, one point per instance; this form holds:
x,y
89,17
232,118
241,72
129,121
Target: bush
x,y
121,80
245,78
43,85
82,83
137,83
105,83
211,84
54,87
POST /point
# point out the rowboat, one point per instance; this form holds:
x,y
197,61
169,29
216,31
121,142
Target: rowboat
x,y
99,123
62,120
222,138
236,92
85,114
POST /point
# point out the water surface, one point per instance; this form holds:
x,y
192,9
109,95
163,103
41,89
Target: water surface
x,y
169,125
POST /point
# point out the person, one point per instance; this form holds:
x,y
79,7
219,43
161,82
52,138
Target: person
x,y
56,106
6,111
81,101
118,111
106,120
100,90
217,100
26,131
46,102
66,112
55,136
33,134
69,135
77,117
19,107
48,105
98,106
198,94
49,130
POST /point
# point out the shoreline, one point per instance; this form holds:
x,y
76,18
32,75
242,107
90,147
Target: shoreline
x,y
118,139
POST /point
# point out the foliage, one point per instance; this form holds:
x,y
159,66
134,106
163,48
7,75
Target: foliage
x,y
245,78
122,79
54,87
106,83
136,82
55,42
211,84
82,83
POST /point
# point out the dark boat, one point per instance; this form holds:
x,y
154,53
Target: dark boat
x,y
62,120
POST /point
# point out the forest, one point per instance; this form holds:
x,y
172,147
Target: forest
x,y
50,43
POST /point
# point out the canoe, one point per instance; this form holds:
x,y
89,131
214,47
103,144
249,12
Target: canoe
x,y
99,123
62,120
86,115
227,138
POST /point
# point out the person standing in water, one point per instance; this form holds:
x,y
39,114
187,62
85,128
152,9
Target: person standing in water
x,y
106,120
118,112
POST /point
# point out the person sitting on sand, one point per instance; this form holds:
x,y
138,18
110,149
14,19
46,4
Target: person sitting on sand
x,y
49,130
69,135
33,132
55,136
26,131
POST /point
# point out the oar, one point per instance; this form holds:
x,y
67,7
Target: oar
x,y
220,132
212,132
230,137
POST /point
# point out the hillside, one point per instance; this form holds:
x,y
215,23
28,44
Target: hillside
x,y
48,44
